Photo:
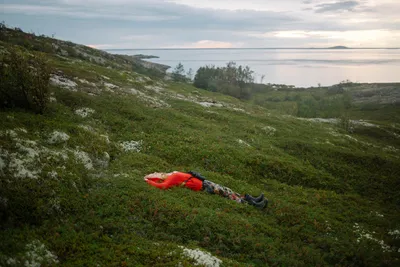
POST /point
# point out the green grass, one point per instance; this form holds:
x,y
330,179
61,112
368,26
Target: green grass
x,y
319,183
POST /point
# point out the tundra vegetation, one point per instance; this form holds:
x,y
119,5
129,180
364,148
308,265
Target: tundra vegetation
x,y
80,128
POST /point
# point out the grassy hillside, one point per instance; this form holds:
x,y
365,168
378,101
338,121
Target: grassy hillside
x,y
376,101
72,190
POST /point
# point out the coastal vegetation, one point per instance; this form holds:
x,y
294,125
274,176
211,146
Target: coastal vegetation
x,y
71,170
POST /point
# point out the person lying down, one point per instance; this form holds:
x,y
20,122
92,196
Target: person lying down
x,y
197,182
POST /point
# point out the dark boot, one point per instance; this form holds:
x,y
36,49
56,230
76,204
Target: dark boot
x,y
259,205
248,197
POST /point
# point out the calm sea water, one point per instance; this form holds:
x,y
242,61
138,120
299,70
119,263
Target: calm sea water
x,y
299,67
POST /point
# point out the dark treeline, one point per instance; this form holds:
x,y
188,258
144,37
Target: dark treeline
x,y
233,80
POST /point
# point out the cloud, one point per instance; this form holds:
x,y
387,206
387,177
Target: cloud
x,y
206,23
82,13
368,38
337,6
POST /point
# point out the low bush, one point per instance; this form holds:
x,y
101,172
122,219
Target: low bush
x,y
24,82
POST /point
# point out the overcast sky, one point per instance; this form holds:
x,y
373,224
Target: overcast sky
x,y
109,24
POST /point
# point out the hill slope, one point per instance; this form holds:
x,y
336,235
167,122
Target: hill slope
x,y
72,189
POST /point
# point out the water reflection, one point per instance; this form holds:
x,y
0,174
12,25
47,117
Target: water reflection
x,y
300,67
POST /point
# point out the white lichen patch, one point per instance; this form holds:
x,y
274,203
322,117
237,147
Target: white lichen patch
x,y
395,233
21,130
205,102
84,112
103,161
351,138
57,137
240,141
23,164
141,79
334,133
362,234
63,82
201,257
105,77
87,128
25,161
155,88
87,82
377,214
135,146
106,138
210,104
110,86
319,120
390,149
240,110
120,174
83,158
52,174
395,134
363,123
151,101
269,130
38,255
11,133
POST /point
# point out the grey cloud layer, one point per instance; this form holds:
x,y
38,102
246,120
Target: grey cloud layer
x,y
166,23
337,6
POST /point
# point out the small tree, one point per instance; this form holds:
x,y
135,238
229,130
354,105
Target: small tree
x,y
178,74
345,122
189,74
262,78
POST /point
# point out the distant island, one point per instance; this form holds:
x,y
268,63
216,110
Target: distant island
x,y
141,56
339,47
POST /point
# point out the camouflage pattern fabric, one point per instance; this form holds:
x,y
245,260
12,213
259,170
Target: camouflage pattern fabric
x,y
226,192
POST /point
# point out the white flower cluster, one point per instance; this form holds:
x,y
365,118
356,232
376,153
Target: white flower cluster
x,y
10,133
201,257
58,137
364,234
395,233
84,112
37,255
377,214
132,146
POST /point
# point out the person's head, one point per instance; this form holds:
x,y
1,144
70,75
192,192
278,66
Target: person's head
x,y
161,175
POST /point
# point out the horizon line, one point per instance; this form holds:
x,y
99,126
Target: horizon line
x,y
253,48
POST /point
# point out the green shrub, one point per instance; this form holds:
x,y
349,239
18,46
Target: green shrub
x,y
24,82
230,80
345,123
